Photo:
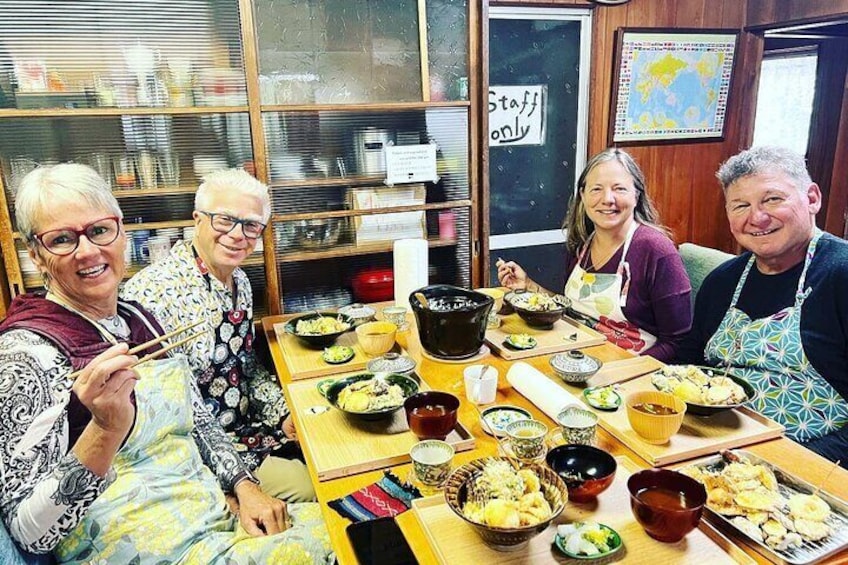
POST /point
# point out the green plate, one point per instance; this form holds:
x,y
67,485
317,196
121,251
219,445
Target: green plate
x,y
591,400
337,354
322,386
529,343
559,542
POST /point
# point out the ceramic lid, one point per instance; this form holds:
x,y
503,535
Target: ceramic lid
x,y
391,362
574,362
359,312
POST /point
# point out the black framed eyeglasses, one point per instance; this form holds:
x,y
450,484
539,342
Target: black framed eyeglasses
x,y
223,223
65,241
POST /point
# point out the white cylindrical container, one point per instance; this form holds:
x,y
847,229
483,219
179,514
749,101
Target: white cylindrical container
x,y
159,247
410,268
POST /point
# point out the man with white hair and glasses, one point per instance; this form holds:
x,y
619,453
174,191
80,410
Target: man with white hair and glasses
x,y
201,280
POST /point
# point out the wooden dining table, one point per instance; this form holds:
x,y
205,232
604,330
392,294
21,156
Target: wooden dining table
x,y
780,452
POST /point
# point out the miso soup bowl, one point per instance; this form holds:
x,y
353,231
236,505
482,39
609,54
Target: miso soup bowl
x,y
656,429
662,521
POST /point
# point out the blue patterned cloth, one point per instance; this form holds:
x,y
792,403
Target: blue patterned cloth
x,y
387,497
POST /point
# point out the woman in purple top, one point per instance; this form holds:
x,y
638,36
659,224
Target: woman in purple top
x,y
626,278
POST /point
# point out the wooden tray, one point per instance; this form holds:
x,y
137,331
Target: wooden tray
x,y
340,445
698,436
305,363
566,334
455,542
624,370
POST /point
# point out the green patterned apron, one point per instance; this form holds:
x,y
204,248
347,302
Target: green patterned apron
x,y
166,506
768,353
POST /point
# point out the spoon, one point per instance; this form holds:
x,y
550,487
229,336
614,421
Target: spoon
x,y
478,382
422,300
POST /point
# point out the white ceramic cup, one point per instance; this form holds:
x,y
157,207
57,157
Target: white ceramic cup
x,y
481,389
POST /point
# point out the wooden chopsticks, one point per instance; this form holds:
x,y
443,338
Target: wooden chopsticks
x,y
152,342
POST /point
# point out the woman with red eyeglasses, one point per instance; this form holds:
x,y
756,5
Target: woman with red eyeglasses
x,y
96,462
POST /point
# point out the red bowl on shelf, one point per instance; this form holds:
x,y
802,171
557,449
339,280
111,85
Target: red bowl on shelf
x,y
374,285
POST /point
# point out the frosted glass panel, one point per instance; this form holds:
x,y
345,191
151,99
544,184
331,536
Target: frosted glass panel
x,y
447,42
159,53
785,100
338,51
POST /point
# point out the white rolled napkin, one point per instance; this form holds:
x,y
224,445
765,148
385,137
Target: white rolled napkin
x,y
539,389
411,265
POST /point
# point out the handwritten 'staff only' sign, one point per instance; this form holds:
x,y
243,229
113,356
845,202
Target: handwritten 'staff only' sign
x,y
517,115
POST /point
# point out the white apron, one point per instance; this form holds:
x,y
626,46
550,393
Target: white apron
x,y
597,300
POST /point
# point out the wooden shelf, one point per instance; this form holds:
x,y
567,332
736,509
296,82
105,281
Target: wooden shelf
x,y
381,107
350,249
330,181
142,226
164,191
76,112
351,213
34,281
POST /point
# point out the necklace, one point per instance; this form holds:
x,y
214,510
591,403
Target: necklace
x,y
589,264
116,326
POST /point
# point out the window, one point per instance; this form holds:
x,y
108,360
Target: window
x,y
785,99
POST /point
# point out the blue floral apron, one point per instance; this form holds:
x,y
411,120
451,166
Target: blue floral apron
x,y
768,353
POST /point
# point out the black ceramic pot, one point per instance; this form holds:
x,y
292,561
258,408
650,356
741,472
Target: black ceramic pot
x,y
453,325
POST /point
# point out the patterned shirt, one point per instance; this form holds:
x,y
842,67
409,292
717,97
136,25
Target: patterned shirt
x,y
245,398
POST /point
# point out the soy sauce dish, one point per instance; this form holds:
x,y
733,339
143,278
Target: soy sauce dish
x,y
602,398
587,540
520,341
337,354
495,419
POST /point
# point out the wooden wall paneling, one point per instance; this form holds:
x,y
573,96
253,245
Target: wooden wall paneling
x,y
690,13
836,213
769,12
825,120
680,177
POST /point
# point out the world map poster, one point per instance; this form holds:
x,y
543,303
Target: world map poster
x,y
672,86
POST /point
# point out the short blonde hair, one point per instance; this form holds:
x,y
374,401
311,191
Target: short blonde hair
x,y
233,180
41,188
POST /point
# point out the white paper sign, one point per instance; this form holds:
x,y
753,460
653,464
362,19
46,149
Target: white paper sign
x,y
411,163
517,115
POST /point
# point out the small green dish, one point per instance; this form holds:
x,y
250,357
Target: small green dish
x,y
337,354
520,341
616,544
322,386
602,398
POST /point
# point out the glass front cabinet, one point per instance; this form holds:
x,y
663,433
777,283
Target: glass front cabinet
x,y
315,97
